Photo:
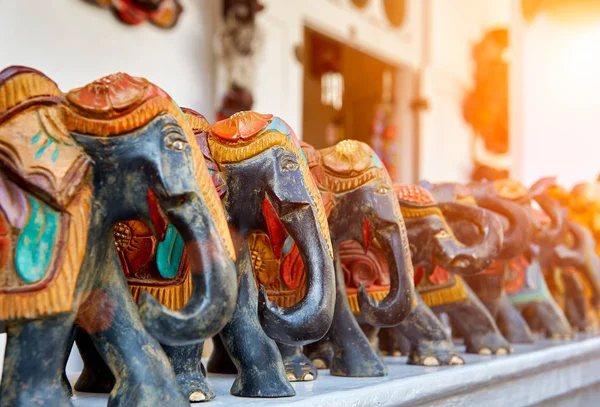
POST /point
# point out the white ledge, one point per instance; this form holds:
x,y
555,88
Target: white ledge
x,y
553,373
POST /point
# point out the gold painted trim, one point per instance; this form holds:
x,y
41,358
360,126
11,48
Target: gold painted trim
x,y
23,87
447,295
174,297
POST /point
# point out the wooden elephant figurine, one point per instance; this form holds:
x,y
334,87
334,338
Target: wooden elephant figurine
x,y
489,285
72,166
442,259
265,186
517,285
577,286
362,212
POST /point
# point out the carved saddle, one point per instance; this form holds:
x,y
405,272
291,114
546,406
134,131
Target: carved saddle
x,y
44,198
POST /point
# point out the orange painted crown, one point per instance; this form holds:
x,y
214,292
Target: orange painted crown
x,y
240,126
413,194
116,104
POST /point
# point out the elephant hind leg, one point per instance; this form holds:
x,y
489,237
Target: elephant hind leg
x,y
298,366
553,320
187,365
512,324
477,326
32,372
96,377
429,343
219,361
389,342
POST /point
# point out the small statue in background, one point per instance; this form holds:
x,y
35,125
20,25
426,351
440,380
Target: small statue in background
x,y
238,42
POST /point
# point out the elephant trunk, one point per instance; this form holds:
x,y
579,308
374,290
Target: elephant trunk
x,y
583,256
469,259
310,319
396,306
519,231
214,279
553,233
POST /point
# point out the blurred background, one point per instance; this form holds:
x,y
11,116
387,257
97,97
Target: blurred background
x,y
444,90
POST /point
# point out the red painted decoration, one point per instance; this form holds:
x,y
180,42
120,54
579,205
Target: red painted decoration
x,y
367,234
158,219
277,233
439,276
292,269
517,274
5,242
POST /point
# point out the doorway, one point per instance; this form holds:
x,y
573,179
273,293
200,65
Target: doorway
x,y
349,94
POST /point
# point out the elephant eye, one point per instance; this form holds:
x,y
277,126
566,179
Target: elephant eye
x,y
289,164
442,234
383,190
176,141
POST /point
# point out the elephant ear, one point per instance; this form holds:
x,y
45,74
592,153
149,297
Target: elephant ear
x,y
200,127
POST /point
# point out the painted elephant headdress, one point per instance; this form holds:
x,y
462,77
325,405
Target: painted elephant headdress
x,y
119,103
247,134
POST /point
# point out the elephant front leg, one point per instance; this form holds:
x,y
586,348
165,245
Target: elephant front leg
x,y
477,326
142,371
259,365
429,343
298,366
512,324
33,369
353,355
187,365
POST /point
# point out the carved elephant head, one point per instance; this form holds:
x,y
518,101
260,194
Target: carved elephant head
x,y
265,185
432,239
361,207
139,138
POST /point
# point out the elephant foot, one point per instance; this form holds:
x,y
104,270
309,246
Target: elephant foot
x,y
298,367
491,343
147,393
359,364
300,370
320,354
41,395
93,381
195,386
66,384
390,353
265,384
434,354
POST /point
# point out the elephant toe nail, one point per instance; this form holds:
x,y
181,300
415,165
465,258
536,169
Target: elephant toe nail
x,y
456,360
397,353
430,361
291,377
501,352
556,337
197,396
308,377
319,363
485,351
